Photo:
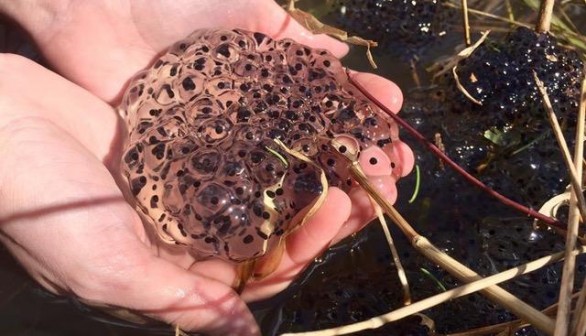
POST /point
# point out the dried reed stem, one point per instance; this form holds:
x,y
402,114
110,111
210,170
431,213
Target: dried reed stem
x,y
565,301
575,179
545,13
579,322
567,287
578,325
466,22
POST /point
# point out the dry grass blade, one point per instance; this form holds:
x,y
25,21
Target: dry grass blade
x,y
414,74
488,15
510,12
440,298
179,332
579,321
553,205
315,26
567,19
567,287
463,89
466,22
506,328
396,259
551,208
465,53
574,179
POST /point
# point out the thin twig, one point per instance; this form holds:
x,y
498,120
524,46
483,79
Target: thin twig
x,y
575,179
545,13
466,22
488,15
567,286
396,259
442,156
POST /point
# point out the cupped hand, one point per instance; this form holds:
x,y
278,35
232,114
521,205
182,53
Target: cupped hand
x,y
63,215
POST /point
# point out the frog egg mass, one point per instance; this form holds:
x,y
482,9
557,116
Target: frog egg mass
x,y
230,136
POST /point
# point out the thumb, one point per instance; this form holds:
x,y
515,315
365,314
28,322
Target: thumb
x,y
166,292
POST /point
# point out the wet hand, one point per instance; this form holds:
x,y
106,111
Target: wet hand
x,y
65,218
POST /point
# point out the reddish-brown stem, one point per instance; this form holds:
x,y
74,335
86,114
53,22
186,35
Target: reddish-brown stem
x,y
442,156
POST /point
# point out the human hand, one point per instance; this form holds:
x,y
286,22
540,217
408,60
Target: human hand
x,y
67,139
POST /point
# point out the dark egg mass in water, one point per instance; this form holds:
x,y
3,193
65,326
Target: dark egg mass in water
x,y
229,144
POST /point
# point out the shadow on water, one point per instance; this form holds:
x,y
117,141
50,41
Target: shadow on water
x,y
356,279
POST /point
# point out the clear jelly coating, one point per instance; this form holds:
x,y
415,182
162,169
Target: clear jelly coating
x,y
201,158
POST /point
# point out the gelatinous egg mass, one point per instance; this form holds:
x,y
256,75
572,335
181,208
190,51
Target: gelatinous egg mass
x,y
202,158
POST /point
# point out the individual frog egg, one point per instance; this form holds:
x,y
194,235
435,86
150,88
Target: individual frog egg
x,y
226,52
263,42
202,65
248,134
205,162
335,167
328,63
247,66
214,131
200,109
265,166
189,84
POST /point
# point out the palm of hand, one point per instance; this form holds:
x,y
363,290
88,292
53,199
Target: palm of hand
x,y
81,136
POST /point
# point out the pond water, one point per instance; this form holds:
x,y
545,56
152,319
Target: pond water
x,y
356,279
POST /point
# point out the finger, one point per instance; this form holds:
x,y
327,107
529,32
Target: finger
x,y
264,16
216,269
405,155
304,244
283,25
138,31
385,91
362,212
159,289
389,94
